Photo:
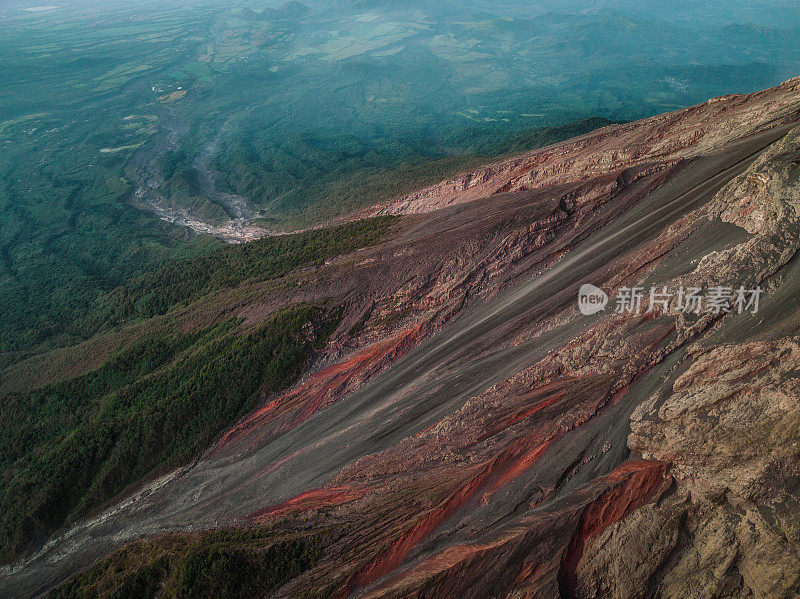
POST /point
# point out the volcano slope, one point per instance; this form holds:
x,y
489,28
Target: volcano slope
x,y
466,432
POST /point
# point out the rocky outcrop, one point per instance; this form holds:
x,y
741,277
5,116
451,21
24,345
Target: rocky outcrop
x,y
728,427
729,527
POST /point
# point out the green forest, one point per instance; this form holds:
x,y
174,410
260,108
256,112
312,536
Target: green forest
x,y
222,563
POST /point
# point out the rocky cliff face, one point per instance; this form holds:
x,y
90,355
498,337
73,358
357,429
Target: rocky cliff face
x,y
468,433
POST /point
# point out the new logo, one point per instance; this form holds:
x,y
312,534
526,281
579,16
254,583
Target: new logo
x,y
591,299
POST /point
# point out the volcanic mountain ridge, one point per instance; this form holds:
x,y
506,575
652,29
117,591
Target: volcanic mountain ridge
x,y
466,432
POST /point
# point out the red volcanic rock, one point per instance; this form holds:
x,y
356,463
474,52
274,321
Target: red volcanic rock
x,y
729,526
324,387
636,483
310,500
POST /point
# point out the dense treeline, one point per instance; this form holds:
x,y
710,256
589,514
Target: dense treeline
x,y
34,314
544,136
267,258
68,448
238,564
67,236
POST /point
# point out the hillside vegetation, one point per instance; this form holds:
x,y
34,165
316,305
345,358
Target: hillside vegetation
x,y
71,446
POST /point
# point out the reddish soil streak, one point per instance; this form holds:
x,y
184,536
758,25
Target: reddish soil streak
x,y
638,481
513,462
327,385
522,415
521,457
529,572
314,499
397,551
